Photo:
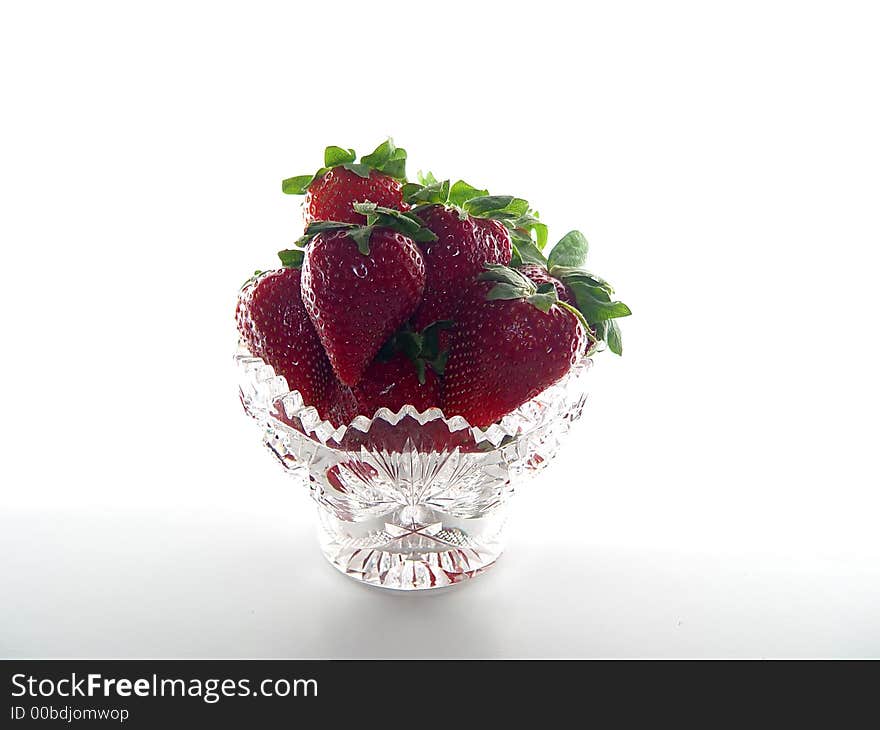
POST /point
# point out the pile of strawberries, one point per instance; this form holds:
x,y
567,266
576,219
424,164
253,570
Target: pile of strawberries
x,y
429,294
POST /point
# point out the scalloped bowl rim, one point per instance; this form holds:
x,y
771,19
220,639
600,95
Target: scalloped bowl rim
x,y
295,406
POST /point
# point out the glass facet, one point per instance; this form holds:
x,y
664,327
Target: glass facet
x,y
409,500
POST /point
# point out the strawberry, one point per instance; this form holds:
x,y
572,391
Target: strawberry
x,y
342,406
390,384
539,275
331,196
405,372
464,244
512,340
394,383
360,284
588,293
275,327
332,190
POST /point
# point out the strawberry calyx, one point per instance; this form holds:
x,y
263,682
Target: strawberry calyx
x,y
409,224
377,217
528,234
256,275
511,284
593,295
291,258
386,159
422,348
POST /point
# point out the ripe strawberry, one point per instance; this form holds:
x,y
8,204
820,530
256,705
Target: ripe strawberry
x,y
331,196
586,292
405,372
394,383
359,285
332,190
464,244
512,341
390,384
342,406
539,275
275,327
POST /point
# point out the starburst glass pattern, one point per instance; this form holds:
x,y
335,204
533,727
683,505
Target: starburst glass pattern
x,y
409,500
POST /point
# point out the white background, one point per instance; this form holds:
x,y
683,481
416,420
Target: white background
x,y
720,497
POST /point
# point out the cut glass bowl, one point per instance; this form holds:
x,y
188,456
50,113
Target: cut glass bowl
x,y
409,500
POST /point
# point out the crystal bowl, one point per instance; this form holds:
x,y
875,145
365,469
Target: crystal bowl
x,y
409,500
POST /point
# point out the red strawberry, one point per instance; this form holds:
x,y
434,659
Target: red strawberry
x,y
394,383
509,348
342,406
275,327
390,384
453,261
539,275
330,197
359,285
332,190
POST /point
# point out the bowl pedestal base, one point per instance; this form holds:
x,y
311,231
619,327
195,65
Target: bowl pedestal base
x,y
413,548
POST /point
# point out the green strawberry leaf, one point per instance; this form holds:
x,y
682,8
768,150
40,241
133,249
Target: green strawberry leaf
x,y
515,258
334,156
511,284
527,251
505,275
499,207
431,339
613,339
580,317
530,227
386,216
544,298
423,235
517,207
571,251
380,155
426,178
396,165
435,193
503,290
298,185
410,344
410,189
358,168
567,274
317,227
406,223
420,370
421,348
594,303
487,203
361,236
461,192
388,159
368,209
252,278
541,233
291,258
439,363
